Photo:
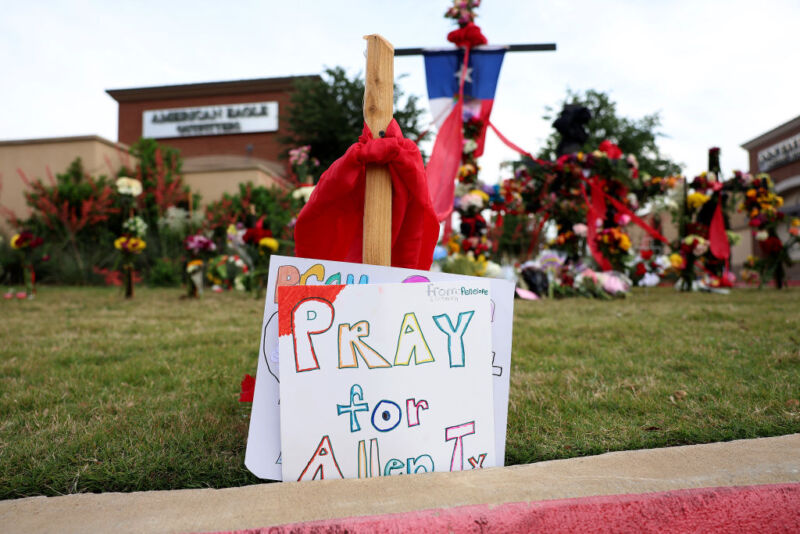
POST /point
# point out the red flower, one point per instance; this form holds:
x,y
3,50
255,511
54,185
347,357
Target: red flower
x,y
641,269
255,234
771,245
248,388
611,150
646,254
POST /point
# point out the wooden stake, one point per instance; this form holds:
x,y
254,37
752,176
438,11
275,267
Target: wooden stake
x,y
378,110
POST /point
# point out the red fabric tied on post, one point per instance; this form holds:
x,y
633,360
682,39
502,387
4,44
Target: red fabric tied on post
x,y
468,36
330,226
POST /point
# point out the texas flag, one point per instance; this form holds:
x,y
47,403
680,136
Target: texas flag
x,y
443,70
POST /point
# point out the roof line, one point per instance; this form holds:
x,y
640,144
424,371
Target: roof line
x,y
207,88
770,135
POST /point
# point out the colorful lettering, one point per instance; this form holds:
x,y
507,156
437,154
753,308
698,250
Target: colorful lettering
x,y
356,393
455,335
423,462
386,416
477,463
322,464
411,342
457,433
310,316
317,271
374,468
288,275
412,410
393,465
351,345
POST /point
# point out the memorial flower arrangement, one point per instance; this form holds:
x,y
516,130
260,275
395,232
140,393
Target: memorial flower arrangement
x,y
226,272
697,266
590,199
552,275
26,243
762,206
130,187
135,226
129,247
200,248
463,11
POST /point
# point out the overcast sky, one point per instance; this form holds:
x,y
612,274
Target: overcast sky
x,y
719,72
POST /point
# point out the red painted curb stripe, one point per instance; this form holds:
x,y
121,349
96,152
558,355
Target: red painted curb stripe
x,y
767,508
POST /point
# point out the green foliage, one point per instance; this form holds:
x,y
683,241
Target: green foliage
x,y
159,170
328,114
250,203
165,272
633,136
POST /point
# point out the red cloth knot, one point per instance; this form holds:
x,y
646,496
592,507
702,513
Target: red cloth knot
x,y
382,150
468,36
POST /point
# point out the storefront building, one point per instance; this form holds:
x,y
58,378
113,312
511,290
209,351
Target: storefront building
x,y
777,152
228,132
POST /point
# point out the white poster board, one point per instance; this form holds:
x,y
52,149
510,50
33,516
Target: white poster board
x,y
263,454
385,379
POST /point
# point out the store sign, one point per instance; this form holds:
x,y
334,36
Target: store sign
x,y
210,120
779,154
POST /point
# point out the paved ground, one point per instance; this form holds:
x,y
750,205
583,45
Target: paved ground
x,y
739,463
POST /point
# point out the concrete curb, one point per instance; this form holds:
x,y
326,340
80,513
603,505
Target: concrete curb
x,y
738,463
770,508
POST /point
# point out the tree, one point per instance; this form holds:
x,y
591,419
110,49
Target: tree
x,y
328,114
633,136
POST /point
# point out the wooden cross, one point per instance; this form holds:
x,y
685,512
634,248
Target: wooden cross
x,y
378,104
378,111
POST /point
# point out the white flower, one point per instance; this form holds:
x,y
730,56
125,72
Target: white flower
x,y
129,186
711,177
135,226
471,200
303,192
470,145
762,235
650,280
493,270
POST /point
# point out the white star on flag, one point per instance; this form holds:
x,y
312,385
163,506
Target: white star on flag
x,y
468,76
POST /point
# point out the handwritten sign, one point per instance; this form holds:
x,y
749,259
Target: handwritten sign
x,y
263,456
385,379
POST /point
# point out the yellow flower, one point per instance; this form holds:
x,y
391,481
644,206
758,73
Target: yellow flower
x,y
795,222
15,241
751,193
269,242
133,245
481,194
695,200
676,260
625,242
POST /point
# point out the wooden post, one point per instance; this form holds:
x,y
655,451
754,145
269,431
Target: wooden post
x,y
378,111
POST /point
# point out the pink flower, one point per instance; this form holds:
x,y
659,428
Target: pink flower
x,y
580,229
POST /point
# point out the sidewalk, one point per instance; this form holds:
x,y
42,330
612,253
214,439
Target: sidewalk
x,y
774,461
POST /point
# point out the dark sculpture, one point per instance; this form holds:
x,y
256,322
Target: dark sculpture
x,y
571,125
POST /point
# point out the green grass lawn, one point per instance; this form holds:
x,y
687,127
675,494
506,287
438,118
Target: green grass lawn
x,y
103,394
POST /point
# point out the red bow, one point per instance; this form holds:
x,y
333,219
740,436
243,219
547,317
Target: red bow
x,y
468,36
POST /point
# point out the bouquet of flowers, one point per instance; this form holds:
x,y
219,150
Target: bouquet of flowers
x,y
199,247
130,247
762,205
26,244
